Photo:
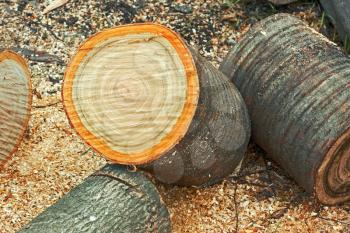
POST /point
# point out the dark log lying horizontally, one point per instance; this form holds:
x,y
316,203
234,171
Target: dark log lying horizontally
x,y
139,96
296,85
111,200
15,102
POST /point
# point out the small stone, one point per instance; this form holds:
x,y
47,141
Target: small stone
x,y
264,194
72,20
279,213
186,9
231,41
54,79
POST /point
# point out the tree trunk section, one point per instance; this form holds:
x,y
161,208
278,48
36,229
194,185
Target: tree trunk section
x,y
295,83
137,94
217,139
111,200
15,102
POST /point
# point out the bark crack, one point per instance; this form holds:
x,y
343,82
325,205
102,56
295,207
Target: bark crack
x,y
126,183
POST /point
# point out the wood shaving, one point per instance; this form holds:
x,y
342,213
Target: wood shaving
x,y
54,5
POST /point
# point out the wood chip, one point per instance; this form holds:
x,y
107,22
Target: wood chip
x,y
54,5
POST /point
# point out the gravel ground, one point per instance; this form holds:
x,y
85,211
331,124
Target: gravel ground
x,y
52,159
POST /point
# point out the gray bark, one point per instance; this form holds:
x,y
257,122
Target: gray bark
x,y
295,83
217,139
111,200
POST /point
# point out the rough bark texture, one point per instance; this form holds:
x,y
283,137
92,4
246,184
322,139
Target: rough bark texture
x,y
339,12
111,200
217,139
295,83
15,102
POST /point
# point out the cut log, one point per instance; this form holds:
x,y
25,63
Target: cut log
x,y
15,102
217,138
295,83
111,200
135,95
339,11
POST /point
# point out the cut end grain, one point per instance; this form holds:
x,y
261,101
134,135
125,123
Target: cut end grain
x,y
15,102
308,127
333,177
131,92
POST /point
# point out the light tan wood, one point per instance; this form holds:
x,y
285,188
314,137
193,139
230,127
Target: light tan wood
x,y
131,92
15,102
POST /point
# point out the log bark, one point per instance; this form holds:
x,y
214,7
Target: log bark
x,y
15,102
111,200
170,106
339,11
295,83
217,139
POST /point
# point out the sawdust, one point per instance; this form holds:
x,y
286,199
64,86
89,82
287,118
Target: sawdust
x,y
52,159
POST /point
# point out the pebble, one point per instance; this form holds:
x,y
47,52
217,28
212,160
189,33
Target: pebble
x,y
183,8
231,41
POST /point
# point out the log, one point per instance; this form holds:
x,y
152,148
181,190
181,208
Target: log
x,y
15,102
295,83
217,138
111,200
339,11
135,95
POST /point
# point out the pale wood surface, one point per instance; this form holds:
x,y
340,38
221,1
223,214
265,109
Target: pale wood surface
x,y
15,99
130,90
